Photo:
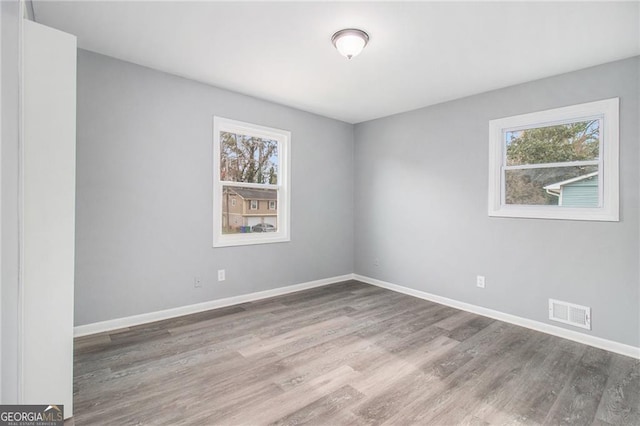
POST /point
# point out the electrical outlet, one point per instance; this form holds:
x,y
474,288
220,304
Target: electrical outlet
x,y
221,275
480,281
197,282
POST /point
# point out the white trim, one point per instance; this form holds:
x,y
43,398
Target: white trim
x,y
553,165
598,342
1,363
608,112
114,324
21,230
118,323
248,185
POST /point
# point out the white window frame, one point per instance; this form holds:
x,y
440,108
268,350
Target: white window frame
x,y
608,164
283,138
272,202
252,203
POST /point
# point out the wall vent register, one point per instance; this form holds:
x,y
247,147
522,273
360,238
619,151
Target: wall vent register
x,y
570,313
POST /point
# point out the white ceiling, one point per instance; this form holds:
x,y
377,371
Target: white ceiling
x,y
420,53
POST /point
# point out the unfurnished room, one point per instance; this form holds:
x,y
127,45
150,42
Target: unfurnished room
x,y
315,212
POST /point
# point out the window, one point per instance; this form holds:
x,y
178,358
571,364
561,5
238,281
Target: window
x,y
556,164
251,164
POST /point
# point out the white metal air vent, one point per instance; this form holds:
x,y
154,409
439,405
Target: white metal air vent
x,y
570,313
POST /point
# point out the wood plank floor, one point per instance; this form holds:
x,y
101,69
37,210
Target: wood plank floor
x,y
347,354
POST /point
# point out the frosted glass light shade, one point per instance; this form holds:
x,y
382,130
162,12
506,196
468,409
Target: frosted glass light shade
x,y
350,42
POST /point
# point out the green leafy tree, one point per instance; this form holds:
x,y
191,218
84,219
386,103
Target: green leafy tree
x,y
553,144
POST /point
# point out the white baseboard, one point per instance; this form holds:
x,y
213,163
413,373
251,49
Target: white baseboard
x,y
598,342
114,324
586,339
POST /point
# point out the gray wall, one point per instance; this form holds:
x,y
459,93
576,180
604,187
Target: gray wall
x,y
9,251
144,228
144,171
421,208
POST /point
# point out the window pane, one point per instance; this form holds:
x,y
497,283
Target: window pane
x,y
560,186
577,141
248,159
247,210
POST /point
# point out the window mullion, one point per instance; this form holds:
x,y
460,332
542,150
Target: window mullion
x,y
249,185
553,165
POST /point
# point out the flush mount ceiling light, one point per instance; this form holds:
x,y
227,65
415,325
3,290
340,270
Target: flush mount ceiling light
x,y
350,41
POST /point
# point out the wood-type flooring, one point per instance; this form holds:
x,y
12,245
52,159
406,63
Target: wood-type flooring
x,y
347,354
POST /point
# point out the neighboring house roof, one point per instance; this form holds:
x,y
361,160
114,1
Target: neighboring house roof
x,y
255,194
555,188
